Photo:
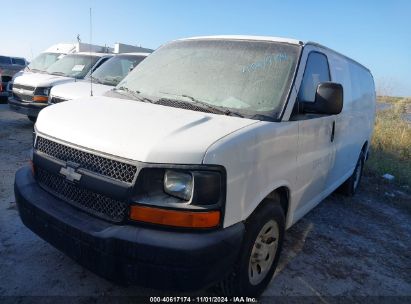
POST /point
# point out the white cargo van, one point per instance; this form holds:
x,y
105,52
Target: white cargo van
x,y
107,76
45,59
190,172
58,51
31,90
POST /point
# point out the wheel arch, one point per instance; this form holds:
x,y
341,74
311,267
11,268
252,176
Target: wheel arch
x,y
280,195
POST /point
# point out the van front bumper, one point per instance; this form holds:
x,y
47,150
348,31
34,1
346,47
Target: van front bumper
x,y
26,108
128,254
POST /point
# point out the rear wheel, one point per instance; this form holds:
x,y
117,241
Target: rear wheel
x,y
32,118
351,185
260,253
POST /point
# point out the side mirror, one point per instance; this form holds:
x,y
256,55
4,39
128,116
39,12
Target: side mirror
x,y
328,99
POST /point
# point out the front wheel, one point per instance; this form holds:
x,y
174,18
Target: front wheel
x,y
260,253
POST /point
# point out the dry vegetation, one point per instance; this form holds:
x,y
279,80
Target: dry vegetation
x,y
391,143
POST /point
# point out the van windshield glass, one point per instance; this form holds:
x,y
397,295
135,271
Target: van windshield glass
x,y
43,61
5,60
237,76
74,65
18,61
115,69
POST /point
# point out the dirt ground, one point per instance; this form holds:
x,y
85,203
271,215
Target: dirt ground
x,y
343,249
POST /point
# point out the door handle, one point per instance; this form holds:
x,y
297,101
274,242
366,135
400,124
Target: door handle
x,y
333,131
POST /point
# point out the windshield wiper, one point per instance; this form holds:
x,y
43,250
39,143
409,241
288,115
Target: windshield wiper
x,y
217,109
263,117
35,70
58,74
134,94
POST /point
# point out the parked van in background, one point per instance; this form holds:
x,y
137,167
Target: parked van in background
x,y
107,76
9,66
31,90
45,59
40,63
188,175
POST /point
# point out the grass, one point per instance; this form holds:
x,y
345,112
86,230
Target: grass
x,y
391,143
389,99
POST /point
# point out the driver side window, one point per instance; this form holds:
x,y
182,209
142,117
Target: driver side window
x,y
316,71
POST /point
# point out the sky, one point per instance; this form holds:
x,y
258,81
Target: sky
x,y
375,33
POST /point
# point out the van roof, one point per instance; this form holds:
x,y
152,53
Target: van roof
x,y
92,54
133,53
61,48
274,39
246,37
342,55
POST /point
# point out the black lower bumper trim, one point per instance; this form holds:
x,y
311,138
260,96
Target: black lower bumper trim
x,y
26,108
155,258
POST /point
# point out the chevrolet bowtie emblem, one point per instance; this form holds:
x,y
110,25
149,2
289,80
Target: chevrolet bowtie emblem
x,y
70,173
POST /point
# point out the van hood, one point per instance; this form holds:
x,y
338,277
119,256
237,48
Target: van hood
x,y
41,80
136,130
79,89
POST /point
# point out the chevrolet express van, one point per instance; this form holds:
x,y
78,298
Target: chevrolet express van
x,y
107,76
45,59
188,174
31,90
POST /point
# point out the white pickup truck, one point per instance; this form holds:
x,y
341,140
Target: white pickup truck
x,y
189,173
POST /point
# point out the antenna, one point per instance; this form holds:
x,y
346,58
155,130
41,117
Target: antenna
x,y
91,58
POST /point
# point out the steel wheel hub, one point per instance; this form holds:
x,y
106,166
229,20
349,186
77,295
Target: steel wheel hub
x,y
263,252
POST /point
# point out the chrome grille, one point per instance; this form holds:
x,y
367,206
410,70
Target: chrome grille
x,y
23,87
22,96
91,202
94,163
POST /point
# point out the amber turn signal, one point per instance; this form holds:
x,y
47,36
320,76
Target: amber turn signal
x,y
175,218
37,98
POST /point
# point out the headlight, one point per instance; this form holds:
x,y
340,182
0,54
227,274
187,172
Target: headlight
x,y
178,184
42,91
41,95
183,187
190,196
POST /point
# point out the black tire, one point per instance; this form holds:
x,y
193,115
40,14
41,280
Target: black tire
x,y
238,282
351,185
32,118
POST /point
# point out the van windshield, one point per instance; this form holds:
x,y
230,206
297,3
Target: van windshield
x,y
43,61
246,77
5,60
74,65
116,68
